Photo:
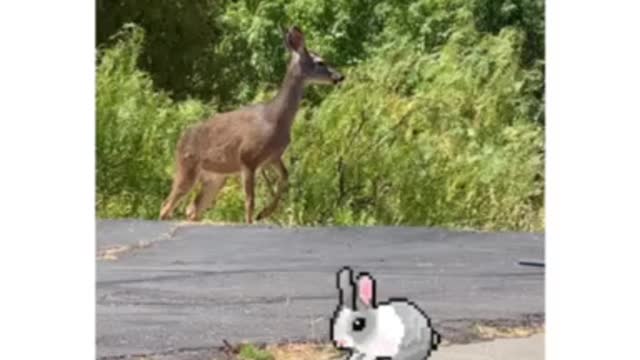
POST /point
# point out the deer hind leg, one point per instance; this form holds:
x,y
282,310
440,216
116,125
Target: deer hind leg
x,y
211,185
184,180
248,181
282,187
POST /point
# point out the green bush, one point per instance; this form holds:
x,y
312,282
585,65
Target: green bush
x,y
440,121
137,129
418,139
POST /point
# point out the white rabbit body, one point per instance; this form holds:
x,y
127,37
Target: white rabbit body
x,y
396,329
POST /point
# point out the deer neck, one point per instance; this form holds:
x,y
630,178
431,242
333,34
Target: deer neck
x,y
285,105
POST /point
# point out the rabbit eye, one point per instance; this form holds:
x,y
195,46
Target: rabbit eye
x,y
359,324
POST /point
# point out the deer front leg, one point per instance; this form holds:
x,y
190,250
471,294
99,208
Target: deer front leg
x,y
185,178
282,187
248,180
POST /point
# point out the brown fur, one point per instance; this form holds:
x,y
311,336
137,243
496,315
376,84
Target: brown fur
x,y
246,139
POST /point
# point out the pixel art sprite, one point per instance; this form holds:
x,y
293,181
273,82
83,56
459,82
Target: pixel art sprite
x,y
396,329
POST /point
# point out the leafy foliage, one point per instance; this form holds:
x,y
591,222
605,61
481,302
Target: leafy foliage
x,y
137,129
440,121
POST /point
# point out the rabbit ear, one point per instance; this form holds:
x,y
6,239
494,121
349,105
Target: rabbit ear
x,y
366,290
346,288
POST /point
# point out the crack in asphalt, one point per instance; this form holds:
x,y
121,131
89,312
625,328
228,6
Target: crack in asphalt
x,y
114,252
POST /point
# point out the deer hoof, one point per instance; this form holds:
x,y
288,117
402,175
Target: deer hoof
x,y
193,216
191,213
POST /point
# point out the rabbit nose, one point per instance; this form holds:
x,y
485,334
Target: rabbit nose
x,y
341,343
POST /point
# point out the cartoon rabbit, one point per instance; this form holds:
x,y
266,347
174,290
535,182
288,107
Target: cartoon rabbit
x,y
393,330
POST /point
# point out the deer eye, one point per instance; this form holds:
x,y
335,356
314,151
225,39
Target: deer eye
x,y
320,63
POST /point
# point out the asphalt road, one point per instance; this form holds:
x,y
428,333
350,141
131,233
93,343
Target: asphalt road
x,y
178,290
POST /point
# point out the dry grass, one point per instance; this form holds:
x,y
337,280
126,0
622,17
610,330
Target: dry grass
x,y
303,352
496,332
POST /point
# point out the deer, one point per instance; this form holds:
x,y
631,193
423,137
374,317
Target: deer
x,y
246,140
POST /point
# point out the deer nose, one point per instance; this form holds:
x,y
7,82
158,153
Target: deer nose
x,y
338,79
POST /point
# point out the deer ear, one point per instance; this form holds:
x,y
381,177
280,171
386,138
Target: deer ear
x,y
295,39
366,290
